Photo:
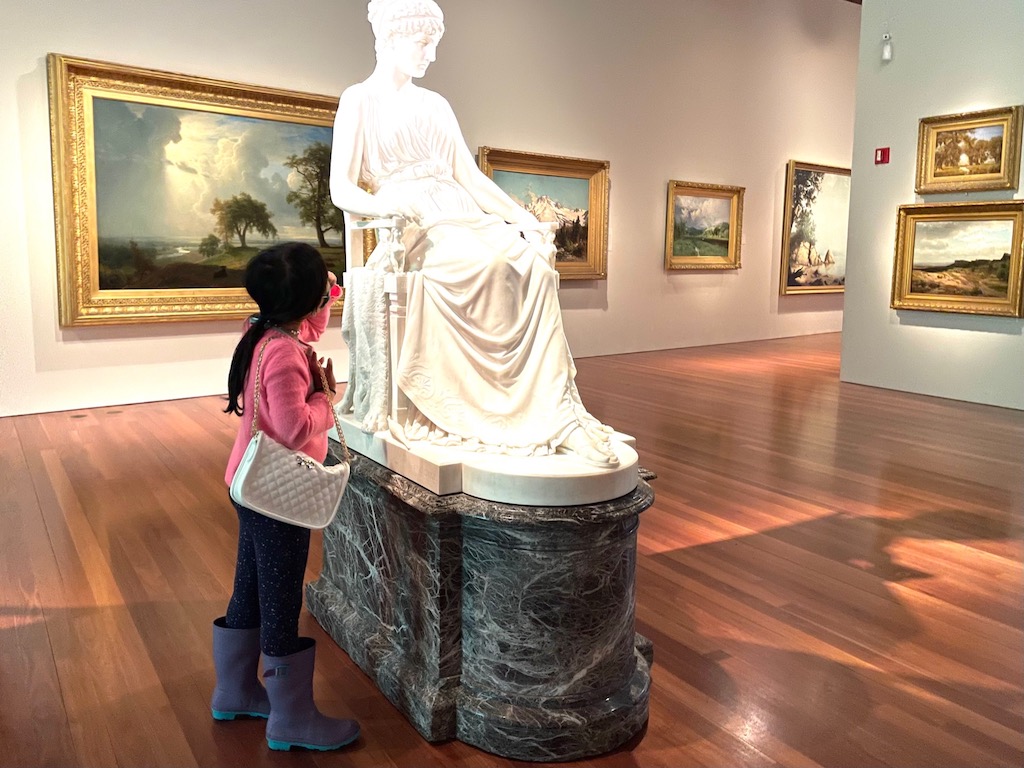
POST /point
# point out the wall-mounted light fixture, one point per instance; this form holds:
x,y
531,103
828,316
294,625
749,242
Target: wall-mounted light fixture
x,y
886,47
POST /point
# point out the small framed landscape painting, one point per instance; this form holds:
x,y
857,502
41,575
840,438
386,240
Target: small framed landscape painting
x,y
570,193
703,228
165,186
969,152
814,229
960,257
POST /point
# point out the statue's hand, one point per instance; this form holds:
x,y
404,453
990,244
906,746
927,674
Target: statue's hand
x,y
392,209
543,241
536,239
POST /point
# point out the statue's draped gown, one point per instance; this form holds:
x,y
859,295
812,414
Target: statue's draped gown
x,y
484,358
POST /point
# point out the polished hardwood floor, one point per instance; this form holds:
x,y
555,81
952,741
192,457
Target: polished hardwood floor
x,y
831,575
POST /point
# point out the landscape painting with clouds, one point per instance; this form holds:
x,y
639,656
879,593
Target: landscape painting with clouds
x,y
185,197
962,258
700,226
820,206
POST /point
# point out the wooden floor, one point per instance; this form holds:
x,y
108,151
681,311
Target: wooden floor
x,y
831,575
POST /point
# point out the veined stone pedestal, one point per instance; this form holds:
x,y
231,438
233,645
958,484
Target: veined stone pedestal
x,y
509,627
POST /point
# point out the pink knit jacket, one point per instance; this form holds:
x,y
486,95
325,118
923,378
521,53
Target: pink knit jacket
x,y
291,410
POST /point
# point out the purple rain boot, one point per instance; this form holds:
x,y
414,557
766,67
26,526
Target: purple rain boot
x,y
236,658
294,719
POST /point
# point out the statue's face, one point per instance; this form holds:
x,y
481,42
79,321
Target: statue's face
x,y
413,54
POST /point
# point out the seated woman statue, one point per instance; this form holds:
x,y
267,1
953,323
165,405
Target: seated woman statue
x,y
484,360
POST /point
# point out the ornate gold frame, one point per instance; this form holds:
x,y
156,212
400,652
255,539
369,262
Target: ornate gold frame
x,y
596,172
1008,175
785,288
697,189
74,83
903,294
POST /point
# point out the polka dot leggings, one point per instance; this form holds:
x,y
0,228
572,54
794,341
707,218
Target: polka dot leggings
x,y
269,571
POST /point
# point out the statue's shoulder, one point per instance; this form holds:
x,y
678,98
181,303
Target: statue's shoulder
x,y
360,97
432,97
355,94
434,102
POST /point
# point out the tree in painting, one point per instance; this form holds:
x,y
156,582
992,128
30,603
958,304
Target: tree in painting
x,y
312,199
968,152
209,246
806,187
241,214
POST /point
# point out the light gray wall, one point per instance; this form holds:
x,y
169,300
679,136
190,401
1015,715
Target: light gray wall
x,y
944,62
719,91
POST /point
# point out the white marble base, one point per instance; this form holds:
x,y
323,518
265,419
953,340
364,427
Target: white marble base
x,y
547,481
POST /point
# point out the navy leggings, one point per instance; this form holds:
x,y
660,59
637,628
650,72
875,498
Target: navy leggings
x,y
269,573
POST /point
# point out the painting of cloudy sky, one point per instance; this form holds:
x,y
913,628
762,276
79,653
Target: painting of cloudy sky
x,y
941,243
159,169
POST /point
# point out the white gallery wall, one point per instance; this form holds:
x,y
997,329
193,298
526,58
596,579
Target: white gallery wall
x,y
943,64
718,91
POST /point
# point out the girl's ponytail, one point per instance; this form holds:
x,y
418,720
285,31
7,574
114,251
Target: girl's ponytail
x,y
241,360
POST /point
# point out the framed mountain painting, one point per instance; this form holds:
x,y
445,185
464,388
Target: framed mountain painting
x,y
569,193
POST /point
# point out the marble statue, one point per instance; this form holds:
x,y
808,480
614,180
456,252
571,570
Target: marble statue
x,y
482,572
484,363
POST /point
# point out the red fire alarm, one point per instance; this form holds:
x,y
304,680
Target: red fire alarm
x,y
881,156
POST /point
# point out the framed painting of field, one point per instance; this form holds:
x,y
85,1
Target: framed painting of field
x,y
165,185
960,257
703,227
570,193
817,211
969,152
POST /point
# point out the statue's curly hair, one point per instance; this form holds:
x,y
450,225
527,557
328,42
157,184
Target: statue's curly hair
x,y
402,18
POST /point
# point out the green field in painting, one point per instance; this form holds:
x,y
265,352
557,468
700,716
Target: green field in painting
x,y
700,246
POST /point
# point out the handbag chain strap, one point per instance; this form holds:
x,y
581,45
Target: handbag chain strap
x,y
346,456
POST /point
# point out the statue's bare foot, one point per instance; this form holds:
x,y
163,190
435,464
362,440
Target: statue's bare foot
x,y
599,431
583,445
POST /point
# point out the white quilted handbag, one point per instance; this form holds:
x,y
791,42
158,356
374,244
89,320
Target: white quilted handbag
x,y
284,484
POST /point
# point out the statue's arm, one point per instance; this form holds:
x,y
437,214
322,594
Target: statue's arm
x,y
489,196
347,158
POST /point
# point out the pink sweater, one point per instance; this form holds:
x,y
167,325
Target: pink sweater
x,y
291,411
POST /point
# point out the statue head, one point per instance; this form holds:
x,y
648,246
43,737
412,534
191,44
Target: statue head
x,y
404,18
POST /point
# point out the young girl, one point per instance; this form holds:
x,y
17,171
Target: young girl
x,y
294,291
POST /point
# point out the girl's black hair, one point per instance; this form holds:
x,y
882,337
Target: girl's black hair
x,y
287,281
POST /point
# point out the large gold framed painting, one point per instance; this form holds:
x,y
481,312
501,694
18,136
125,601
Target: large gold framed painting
x,y
960,257
569,192
166,184
814,229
